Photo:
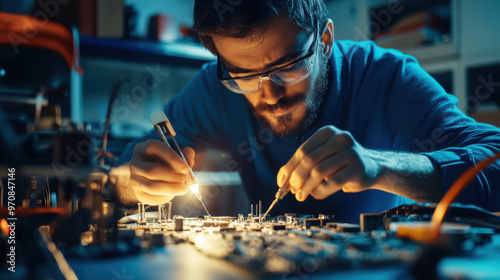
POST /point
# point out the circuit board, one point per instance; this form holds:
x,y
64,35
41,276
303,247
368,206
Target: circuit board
x,y
281,245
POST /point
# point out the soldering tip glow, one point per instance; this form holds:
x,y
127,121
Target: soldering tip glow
x,y
194,188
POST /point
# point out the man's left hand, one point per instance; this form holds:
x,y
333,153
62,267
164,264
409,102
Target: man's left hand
x,y
329,161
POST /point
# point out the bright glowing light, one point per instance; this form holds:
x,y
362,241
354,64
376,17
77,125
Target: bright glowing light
x,y
194,188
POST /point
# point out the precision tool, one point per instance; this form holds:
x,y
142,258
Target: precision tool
x,y
167,133
279,195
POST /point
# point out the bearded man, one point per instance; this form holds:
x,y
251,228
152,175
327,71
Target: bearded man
x,y
349,127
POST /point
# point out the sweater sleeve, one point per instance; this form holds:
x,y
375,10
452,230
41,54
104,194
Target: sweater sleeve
x,y
429,119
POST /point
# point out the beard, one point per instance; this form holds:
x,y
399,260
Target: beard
x,y
286,125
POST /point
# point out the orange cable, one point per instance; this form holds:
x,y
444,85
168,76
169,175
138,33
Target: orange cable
x,y
460,184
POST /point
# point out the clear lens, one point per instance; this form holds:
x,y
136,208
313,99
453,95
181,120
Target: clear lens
x,y
290,75
293,74
244,85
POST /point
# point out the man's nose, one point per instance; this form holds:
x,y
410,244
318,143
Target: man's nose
x,y
272,92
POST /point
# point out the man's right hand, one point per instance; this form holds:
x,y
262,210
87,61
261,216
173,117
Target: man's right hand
x,y
157,172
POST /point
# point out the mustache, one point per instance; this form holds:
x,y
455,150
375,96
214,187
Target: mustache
x,y
284,103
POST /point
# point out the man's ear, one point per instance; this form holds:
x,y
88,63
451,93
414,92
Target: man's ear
x,y
327,37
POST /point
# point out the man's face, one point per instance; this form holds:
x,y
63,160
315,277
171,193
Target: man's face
x,y
284,110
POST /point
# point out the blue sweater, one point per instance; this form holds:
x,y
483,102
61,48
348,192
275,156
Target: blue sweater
x,y
382,97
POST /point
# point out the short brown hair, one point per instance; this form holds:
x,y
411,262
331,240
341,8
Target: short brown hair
x,y
247,18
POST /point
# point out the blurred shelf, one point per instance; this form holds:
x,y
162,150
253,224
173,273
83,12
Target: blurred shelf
x,y
467,62
181,54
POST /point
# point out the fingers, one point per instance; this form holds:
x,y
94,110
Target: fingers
x,y
189,154
317,139
326,163
152,199
305,161
153,187
328,168
312,165
155,191
325,189
339,181
157,172
157,151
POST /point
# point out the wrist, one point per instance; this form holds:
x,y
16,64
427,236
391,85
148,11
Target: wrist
x,y
384,168
120,177
410,175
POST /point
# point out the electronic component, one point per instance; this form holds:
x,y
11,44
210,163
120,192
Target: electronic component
x,y
179,224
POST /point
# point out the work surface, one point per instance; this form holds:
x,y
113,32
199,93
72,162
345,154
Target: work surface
x,y
184,261
208,249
